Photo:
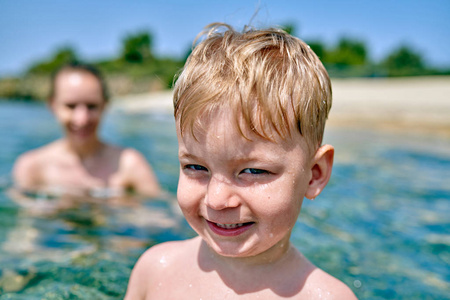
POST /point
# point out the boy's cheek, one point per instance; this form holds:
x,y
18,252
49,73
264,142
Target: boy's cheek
x,y
188,205
188,192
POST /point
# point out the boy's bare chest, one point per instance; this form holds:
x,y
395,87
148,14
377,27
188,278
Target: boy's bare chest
x,y
206,291
209,286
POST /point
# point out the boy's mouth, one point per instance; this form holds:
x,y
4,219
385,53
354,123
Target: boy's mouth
x,y
229,229
230,226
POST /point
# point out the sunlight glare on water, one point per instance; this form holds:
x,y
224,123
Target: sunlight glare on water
x,y
381,225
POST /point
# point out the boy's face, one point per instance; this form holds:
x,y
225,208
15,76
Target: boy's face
x,y
242,196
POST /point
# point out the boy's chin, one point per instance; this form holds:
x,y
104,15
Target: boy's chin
x,y
231,249
253,249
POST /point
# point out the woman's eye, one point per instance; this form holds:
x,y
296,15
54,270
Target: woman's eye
x,y
92,106
195,168
255,171
71,106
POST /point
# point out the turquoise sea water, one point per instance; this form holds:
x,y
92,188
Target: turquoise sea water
x,y
382,224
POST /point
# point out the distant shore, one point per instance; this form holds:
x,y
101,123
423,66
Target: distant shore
x,y
415,104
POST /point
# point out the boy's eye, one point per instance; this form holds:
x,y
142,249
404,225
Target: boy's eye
x,y
195,167
92,106
71,106
254,171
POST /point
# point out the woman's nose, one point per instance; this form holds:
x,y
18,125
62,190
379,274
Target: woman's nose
x,y
221,194
81,115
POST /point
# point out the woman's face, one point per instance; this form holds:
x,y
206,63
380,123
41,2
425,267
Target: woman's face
x,y
78,105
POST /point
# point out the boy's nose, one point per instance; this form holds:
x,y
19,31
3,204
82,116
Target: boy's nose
x,y
81,115
221,195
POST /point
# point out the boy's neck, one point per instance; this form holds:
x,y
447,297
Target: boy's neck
x,y
273,256
285,274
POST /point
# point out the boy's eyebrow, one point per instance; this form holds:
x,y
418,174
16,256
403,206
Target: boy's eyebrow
x,y
238,158
184,154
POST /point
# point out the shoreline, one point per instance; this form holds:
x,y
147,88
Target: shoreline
x,y
417,104
413,104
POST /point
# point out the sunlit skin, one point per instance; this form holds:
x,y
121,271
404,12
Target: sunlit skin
x,y
80,162
226,180
242,196
78,105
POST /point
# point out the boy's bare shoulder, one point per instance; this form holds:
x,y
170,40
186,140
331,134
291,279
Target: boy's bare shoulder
x,y
165,253
324,286
162,259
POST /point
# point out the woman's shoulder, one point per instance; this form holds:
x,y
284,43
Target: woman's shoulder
x,y
34,158
28,166
130,157
136,172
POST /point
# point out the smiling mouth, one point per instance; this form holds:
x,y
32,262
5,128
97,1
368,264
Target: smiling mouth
x,y
230,226
82,131
229,229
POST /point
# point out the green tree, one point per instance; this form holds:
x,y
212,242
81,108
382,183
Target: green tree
x,y
137,47
290,28
62,56
348,53
404,61
318,48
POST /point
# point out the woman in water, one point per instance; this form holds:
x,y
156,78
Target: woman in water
x,y
80,163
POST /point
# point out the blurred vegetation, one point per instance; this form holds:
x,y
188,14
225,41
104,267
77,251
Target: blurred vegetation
x,y
137,69
350,57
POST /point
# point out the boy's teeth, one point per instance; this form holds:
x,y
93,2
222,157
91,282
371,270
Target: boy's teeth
x,y
229,226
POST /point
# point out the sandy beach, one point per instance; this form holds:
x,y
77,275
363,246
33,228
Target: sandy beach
x,y
418,104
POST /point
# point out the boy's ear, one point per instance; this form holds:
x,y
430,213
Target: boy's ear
x,y
320,171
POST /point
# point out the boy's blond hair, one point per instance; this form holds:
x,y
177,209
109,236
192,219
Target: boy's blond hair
x,y
270,79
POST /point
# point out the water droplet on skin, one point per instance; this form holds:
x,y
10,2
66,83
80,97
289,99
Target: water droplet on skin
x,y
271,235
190,285
319,292
357,284
163,261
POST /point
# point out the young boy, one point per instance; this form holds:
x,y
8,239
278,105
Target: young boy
x,y
250,110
